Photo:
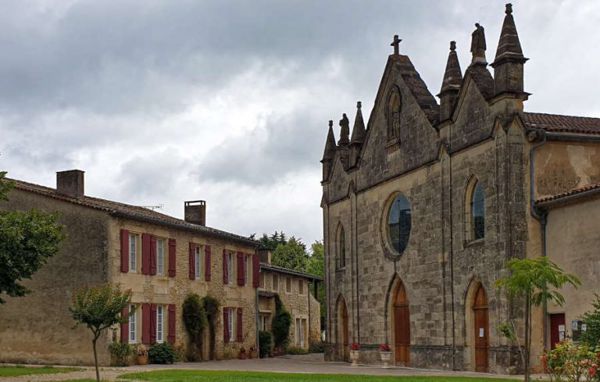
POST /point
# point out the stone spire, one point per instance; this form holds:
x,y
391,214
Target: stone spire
x,y
329,153
478,45
450,84
345,131
508,64
359,131
509,46
329,144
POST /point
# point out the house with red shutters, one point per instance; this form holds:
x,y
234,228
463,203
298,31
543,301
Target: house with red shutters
x,y
161,259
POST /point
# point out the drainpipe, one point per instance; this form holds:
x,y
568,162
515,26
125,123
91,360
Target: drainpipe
x,y
541,215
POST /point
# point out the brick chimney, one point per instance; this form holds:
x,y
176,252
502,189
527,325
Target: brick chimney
x,y
195,212
70,183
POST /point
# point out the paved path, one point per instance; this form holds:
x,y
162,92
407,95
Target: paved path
x,y
312,363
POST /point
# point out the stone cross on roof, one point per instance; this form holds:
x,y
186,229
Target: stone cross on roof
x,y
396,44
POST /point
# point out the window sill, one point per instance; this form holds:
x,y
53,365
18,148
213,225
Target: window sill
x,y
474,243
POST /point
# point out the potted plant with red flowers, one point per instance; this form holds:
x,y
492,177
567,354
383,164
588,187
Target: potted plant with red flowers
x,y
354,353
386,354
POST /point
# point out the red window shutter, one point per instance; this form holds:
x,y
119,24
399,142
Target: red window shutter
x,y
255,271
152,254
207,262
124,251
152,323
240,326
225,268
192,262
146,324
172,257
145,254
125,325
172,324
240,268
225,325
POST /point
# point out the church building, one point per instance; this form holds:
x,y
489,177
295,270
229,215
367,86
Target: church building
x,y
426,202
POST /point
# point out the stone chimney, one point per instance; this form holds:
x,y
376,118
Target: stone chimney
x,y
264,255
195,212
70,183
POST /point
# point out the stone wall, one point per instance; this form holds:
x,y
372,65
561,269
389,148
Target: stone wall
x,y
173,290
38,328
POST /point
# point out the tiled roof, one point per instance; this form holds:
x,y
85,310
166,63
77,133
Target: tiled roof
x,y
591,188
562,123
288,271
130,211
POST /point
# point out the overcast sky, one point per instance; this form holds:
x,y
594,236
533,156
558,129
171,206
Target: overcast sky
x,y
228,101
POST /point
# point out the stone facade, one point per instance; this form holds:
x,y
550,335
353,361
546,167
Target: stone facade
x,y
294,290
38,328
435,155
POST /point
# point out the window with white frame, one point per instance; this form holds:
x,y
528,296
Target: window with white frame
x,y
160,324
300,329
133,251
263,323
231,324
197,261
160,257
132,325
230,267
247,268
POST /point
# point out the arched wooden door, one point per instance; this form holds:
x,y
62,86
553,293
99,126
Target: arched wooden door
x,y
401,316
480,320
343,332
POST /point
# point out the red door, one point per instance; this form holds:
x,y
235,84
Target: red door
x,y
480,313
557,329
401,327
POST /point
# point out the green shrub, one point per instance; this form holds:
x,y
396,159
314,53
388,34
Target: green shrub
x,y
121,353
316,347
211,308
194,319
162,353
281,325
265,340
296,350
591,319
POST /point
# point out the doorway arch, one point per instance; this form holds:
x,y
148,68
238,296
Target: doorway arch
x,y
400,325
342,330
477,327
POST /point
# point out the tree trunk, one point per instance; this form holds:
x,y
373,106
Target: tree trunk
x,y
96,358
527,336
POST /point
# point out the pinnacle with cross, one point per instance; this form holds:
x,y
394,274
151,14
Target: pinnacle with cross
x,y
396,44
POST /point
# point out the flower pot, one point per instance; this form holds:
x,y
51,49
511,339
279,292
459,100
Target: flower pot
x,y
385,358
354,354
142,359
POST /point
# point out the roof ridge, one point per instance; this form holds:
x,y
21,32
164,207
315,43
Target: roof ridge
x,y
129,210
559,115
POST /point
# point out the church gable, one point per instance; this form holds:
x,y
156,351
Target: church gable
x,y
473,119
400,132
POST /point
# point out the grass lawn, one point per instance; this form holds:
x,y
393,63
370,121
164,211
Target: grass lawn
x,y
15,371
240,376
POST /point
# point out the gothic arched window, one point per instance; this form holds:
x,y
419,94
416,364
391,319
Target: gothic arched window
x,y
475,213
399,223
393,114
340,254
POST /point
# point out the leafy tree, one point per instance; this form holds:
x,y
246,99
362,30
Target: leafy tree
x,y
211,309
271,242
194,319
99,308
291,255
537,282
27,240
316,266
280,325
592,320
